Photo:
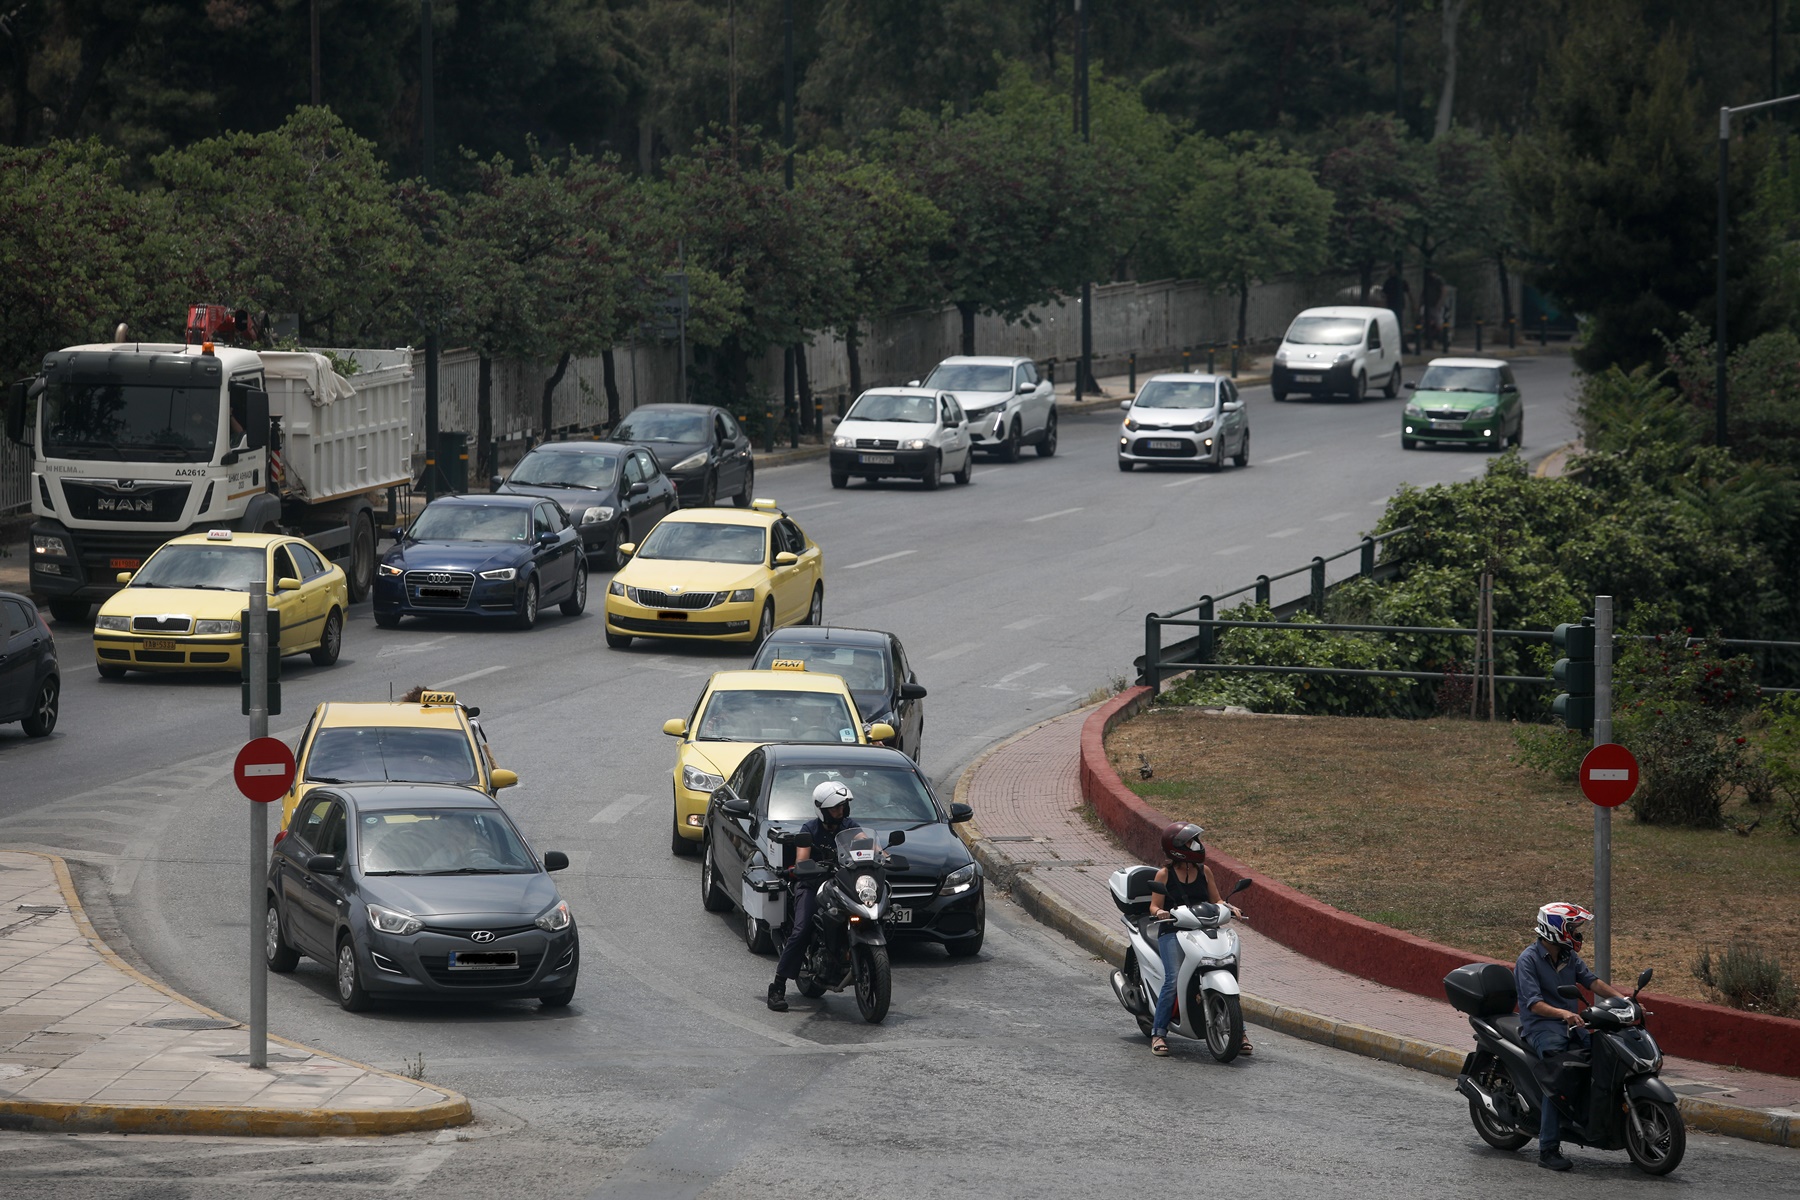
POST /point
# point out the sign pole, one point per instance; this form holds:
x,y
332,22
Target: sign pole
x,y
1603,670
256,645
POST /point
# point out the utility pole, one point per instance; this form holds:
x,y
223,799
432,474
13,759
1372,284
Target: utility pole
x,y
791,359
256,645
1603,668
318,93
428,153
1084,373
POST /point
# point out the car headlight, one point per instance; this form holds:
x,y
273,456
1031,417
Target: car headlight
x,y
1203,426
615,588
696,780
1341,360
958,881
387,570
387,920
40,544
692,462
597,514
117,624
1482,413
867,889
1414,411
1131,423
1281,357
217,627
501,573
743,596
915,444
843,443
554,919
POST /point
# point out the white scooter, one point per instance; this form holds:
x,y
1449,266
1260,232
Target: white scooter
x,y
1207,1007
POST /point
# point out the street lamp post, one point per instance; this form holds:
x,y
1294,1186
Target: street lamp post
x,y
1720,433
1084,371
427,152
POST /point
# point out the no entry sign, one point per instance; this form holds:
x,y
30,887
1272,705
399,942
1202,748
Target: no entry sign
x,y
1609,774
264,769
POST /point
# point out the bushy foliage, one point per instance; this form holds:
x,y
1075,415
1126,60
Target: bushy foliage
x,y
1679,703
1744,977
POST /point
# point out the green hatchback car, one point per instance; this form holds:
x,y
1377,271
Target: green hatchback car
x,y
1465,400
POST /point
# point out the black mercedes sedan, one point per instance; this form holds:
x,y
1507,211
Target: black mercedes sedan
x,y
612,493
483,556
700,447
939,897
871,663
418,891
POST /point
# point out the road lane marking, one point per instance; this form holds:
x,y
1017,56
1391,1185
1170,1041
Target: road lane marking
x,y
1021,673
956,651
1158,574
1102,594
1232,550
1381,503
1395,433
1285,457
1028,622
412,647
472,675
810,507
618,809
1061,512
1338,516
1281,533
1188,480
869,562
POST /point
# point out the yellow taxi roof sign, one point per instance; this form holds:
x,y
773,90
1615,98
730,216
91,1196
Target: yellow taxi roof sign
x,y
218,535
437,697
788,664
762,504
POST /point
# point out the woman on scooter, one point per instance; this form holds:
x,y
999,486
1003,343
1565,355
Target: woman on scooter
x,y
1185,880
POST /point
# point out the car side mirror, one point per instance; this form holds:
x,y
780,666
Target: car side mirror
x,y
912,383
736,807
1509,387
881,731
898,862
1232,406
1240,886
15,412
960,813
399,533
675,727
912,691
1027,387
287,584
786,558
500,777
1125,405
546,539
493,483
324,864
637,489
1411,386
897,838
555,860
122,577
627,549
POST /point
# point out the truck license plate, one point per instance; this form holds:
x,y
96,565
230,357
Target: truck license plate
x,y
877,460
483,960
125,564
1165,444
1309,379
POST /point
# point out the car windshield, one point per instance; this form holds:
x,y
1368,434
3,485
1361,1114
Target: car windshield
x,y
213,568
970,377
776,715
696,541
883,793
471,523
1439,378
564,468
887,406
1327,331
374,754
1169,393
85,419
662,427
862,668
449,841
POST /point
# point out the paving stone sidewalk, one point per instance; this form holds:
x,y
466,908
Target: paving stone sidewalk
x,y
1036,834
89,1044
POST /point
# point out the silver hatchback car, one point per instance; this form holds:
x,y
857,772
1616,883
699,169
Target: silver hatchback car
x,y
1185,419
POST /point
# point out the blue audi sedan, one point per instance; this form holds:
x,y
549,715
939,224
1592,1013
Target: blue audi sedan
x,y
483,556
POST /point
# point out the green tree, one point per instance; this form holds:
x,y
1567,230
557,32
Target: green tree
x,y
1368,170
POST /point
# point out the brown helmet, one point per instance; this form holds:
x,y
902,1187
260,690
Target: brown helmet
x,y
1181,842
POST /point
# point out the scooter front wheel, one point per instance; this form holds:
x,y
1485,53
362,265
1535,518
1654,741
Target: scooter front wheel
x,y
874,982
1655,1136
1224,1026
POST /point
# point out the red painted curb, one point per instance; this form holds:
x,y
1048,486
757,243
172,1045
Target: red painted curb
x,y
1685,1028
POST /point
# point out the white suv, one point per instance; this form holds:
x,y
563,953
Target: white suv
x,y
1008,406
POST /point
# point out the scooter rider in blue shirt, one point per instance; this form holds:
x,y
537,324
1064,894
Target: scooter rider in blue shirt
x,y
1545,1022
832,799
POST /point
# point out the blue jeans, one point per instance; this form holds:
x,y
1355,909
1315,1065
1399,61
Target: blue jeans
x,y
1549,1043
1170,950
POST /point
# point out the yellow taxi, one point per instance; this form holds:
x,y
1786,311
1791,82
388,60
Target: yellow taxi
x,y
431,740
741,710
729,575
180,611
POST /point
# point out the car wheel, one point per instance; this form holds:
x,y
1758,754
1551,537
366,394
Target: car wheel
x,y
1518,437
765,625
757,937
1126,465
70,611
1407,443
361,576
1009,449
1359,391
967,947
612,560
351,996
558,999
1047,447
678,845
815,615
110,671
618,641
527,615
743,498
934,473
968,468
42,718
1393,384
840,479
387,620
331,641
713,898
1242,457
280,956
1277,395
577,601
709,493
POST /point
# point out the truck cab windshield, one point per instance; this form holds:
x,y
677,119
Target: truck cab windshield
x,y
108,419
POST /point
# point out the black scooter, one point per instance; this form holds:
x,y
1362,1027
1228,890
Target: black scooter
x,y
1609,1098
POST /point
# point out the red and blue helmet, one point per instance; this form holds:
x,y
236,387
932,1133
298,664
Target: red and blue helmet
x,y
1564,924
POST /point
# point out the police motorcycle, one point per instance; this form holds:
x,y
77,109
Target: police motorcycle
x,y
849,939
1608,1098
1207,1004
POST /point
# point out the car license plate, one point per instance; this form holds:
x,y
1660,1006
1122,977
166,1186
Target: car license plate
x,y
876,460
126,564
483,960
1165,444
1309,379
671,616
1453,425
900,916
444,592
160,644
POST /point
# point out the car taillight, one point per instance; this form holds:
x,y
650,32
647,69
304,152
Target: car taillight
x,y
278,838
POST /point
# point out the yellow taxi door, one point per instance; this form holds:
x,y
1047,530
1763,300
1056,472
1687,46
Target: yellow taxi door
x,y
299,627
793,585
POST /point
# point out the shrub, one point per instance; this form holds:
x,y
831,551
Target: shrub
x,y
1744,977
1680,708
1552,749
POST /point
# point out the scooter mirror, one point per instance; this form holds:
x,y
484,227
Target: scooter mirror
x,y
1241,885
1569,991
1644,977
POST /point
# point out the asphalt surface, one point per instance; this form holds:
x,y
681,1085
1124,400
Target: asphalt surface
x,y
1013,1074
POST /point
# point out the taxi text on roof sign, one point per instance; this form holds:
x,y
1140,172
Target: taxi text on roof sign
x,y
437,697
787,664
218,535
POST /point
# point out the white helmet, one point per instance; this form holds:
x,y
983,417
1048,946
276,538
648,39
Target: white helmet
x,y
830,795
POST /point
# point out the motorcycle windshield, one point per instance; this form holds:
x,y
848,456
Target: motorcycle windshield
x,y
857,848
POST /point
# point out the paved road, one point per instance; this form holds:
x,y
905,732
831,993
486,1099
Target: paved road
x,y
1014,1074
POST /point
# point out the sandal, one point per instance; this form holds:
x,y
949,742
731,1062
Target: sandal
x,y
1246,1048
1159,1047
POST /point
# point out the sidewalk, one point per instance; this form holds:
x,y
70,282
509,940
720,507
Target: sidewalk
x,y
87,1044
1035,834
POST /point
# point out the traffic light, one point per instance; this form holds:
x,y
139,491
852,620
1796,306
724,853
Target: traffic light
x,y
272,656
1575,707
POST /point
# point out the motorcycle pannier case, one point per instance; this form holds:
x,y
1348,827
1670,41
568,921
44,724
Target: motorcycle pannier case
x,y
1482,990
1130,890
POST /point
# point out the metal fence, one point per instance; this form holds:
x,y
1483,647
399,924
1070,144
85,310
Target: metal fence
x,y
15,478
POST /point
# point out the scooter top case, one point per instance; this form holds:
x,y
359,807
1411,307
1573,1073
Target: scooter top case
x,y
1130,890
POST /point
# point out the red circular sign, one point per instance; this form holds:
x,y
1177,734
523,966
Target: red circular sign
x,y
1609,774
264,769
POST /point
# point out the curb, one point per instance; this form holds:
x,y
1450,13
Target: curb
x,y
227,1119
1559,457
782,457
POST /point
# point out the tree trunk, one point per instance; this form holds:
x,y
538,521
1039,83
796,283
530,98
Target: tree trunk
x,y
968,325
1243,309
1453,10
1506,307
646,144
809,416
610,378
550,385
98,48
486,461
853,352
1366,276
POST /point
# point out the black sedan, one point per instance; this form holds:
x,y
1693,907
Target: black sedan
x,y
612,493
30,679
939,897
483,556
418,891
871,663
700,447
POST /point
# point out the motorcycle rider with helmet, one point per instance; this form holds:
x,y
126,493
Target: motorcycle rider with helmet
x,y
1186,879
1550,962
832,799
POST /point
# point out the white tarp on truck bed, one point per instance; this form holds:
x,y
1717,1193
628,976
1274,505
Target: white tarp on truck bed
x,y
342,435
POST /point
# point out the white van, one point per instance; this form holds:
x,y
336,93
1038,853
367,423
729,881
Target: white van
x,y
1339,351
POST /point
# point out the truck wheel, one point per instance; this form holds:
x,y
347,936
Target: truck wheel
x,y
331,641
70,611
361,573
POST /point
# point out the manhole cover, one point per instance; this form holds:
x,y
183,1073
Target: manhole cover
x,y
189,1023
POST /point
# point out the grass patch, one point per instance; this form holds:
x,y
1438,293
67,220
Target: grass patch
x,y
1432,827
